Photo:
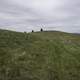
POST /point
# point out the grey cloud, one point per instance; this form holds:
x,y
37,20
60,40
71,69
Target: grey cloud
x,y
23,15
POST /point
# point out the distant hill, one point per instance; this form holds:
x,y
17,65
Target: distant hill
x,y
39,56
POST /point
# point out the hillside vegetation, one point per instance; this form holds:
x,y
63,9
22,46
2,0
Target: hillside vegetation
x,y
39,56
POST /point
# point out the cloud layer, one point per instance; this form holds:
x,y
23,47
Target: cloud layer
x,y
25,15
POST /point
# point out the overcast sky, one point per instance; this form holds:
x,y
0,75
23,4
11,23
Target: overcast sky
x,y
25,15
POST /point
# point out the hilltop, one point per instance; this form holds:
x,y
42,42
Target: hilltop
x,y
39,56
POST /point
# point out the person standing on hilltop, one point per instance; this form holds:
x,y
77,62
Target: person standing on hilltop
x,y
41,30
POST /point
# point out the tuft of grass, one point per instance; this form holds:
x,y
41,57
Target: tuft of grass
x,y
39,56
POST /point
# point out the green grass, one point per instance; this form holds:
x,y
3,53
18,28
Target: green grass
x,y
39,56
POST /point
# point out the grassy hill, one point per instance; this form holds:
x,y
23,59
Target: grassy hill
x,y
39,56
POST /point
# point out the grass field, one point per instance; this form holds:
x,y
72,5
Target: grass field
x,y
39,56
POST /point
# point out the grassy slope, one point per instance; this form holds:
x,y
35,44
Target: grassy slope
x,y
39,56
